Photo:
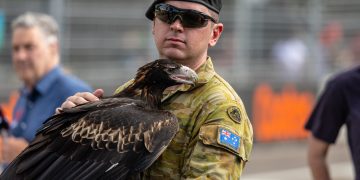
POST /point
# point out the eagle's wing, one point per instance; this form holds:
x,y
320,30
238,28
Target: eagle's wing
x,y
108,139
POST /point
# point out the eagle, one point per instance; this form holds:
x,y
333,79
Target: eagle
x,y
117,137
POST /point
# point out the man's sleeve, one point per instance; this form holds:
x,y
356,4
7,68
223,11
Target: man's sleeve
x,y
222,146
329,113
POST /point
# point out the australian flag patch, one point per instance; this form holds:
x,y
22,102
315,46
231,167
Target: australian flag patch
x,y
229,139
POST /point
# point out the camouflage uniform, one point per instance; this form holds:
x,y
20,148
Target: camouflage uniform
x,y
215,137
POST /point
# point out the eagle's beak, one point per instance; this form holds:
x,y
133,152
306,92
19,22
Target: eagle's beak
x,y
185,75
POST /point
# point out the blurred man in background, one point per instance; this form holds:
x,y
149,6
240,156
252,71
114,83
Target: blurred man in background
x,y
36,57
339,104
215,137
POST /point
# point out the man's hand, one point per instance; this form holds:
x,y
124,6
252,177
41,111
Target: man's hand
x,y
11,147
80,98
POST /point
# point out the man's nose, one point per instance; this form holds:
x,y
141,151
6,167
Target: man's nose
x,y
176,24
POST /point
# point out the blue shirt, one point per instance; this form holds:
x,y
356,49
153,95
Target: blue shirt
x,y
35,106
339,105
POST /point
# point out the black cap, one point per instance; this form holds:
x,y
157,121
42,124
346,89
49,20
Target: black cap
x,y
214,5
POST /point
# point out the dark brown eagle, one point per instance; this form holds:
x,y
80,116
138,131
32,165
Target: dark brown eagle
x,y
114,138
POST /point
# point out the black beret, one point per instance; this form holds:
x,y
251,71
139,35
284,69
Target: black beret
x,y
214,5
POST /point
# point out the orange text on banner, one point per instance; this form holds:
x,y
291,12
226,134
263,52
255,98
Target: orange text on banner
x,y
280,116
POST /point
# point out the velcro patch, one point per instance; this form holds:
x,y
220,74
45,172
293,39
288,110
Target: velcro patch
x,y
234,113
228,139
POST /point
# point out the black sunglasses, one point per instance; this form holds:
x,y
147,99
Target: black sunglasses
x,y
189,18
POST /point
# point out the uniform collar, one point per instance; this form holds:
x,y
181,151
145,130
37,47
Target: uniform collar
x,y
205,72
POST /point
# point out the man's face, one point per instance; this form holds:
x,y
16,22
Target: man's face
x,y
32,55
187,46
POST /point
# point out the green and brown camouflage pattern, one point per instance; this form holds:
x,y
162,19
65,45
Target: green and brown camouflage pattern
x,y
195,152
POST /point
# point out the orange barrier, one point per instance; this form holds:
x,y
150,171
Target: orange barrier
x,y
280,116
9,106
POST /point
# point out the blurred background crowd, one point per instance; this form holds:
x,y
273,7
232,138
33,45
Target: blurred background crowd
x,y
277,54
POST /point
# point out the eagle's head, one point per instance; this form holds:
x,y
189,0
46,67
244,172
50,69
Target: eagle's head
x,y
164,73
153,78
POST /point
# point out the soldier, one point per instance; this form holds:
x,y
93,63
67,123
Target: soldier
x,y
215,137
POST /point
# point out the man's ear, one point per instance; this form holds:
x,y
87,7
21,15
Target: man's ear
x,y
54,48
216,33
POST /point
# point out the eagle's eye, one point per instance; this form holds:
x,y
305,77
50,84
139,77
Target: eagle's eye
x,y
170,70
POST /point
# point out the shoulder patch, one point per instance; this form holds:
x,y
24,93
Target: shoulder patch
x,y
234,113
228,139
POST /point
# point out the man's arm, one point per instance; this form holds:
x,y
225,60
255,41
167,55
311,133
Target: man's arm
x,y
11,147
223,144
317,152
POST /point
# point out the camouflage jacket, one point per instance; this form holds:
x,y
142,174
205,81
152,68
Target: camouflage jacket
x,y
215,137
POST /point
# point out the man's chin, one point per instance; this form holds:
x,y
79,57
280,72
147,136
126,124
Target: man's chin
x,y
25,77
174,54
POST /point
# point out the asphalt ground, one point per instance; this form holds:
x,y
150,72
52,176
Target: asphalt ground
x,y
287,161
